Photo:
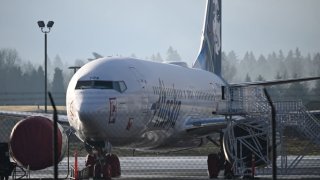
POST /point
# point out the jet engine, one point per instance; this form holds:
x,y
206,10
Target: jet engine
x,y
246,142
31,142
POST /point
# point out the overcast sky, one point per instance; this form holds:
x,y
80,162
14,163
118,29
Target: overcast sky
x,y
144,27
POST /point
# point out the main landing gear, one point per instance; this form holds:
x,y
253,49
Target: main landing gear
x,y
218,162
102,164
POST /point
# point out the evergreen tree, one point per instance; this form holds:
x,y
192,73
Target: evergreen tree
x,y
278,76
133,55
57,83
232,57
153,57
316,64
159,58
297,90
10,72
58,62
248,79
79,62
9,57
316,89
173,55
263,68
228,68
260,78
281,56
247,65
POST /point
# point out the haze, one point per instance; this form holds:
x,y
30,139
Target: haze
x,y
146,27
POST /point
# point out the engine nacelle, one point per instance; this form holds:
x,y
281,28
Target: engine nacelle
x,y
244,139
31,142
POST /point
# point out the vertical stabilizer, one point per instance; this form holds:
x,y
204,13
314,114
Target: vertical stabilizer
x,y
209,57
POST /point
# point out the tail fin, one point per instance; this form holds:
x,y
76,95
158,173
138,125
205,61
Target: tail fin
x,y
209,57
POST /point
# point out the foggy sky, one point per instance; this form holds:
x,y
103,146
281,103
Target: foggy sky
x,y
145,27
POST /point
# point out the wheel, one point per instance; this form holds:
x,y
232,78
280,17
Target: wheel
x,y
107,171
213,165
97,171
228,173
90,161
114,161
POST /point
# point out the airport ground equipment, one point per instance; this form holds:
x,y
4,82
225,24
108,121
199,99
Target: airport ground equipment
x,y
6,166
247,140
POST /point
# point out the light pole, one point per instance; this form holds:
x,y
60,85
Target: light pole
x,y
42,26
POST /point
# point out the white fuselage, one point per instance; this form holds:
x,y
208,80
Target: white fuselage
x,y
140,104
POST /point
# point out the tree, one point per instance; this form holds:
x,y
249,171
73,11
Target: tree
x,y
228,68
153,57
10,73
232,57
57,62
159,58
260,78
40,79
57,85
316,65
293,63
263,68
281,56
79,62
277,91
9,57
297,90
247,64
278,76
156,58
173,55
248,79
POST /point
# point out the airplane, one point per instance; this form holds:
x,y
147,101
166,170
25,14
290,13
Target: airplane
x,y
119,102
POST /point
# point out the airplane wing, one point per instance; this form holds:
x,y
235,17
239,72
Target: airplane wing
x,y
207,126
204,126
276,82
62,119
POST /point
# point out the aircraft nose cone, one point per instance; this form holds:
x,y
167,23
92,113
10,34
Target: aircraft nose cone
x,y
91,108
92,111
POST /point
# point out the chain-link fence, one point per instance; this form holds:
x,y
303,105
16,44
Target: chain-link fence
x,y
297,149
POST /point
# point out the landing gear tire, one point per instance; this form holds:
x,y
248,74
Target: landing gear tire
x,y
213,165
102,171
228,173
114,163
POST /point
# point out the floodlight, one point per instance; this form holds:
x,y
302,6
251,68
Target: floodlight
x,y
50,24
41,24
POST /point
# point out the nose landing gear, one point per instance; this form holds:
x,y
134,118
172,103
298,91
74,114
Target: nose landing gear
x,y
102,164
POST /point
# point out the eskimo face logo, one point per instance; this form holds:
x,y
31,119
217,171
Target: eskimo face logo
x,y
216,24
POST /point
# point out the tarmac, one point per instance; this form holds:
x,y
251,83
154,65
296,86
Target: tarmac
x,y
180,167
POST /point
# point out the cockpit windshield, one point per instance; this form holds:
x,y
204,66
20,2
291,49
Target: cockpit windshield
x,y
119,86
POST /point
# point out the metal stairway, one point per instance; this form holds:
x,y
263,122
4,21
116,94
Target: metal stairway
x,y
299,116
247,136
295,115
246,108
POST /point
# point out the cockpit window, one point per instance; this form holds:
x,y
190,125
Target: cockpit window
x,y
119,86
